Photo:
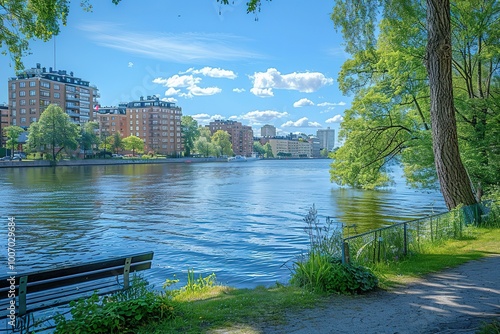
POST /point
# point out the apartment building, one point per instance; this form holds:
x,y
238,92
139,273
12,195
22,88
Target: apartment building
x,y
156,122
268,131
4,122
31,91
284,147
111,120
326,138
241,135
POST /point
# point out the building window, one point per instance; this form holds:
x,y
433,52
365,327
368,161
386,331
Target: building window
x,y
13,95
33,119
22,102
22,111
22,93
32,102
57,95
56,86
32,84
13,86
23,119
32,92
22,84
45,84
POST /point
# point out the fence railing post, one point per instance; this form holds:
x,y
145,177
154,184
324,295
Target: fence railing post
x,y
345,252
405,238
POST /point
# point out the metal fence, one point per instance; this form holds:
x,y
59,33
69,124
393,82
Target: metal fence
x,y
396,241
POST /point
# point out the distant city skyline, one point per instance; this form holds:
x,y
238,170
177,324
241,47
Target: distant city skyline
x,y
276,67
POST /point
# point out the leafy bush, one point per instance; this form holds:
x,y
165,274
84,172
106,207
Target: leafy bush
x,y
193,285
322,274
119,313
321,270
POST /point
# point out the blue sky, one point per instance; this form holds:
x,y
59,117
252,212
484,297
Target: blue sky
x,y
277,67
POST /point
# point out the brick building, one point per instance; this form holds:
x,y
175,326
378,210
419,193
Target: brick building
x,y
32,90
157,123
241,135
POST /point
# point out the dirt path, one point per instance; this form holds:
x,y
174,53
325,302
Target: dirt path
x,y
457,300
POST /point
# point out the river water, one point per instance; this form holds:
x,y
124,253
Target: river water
x,y
242,221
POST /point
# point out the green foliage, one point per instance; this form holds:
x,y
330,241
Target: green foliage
x,y
117,142
190,133
257,147
492,327
89,137
123,312
134,144
54,131
194,284
321,270
12,133
222,143
321,273
390,114
204,147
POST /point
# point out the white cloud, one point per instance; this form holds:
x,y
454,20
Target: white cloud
x,y
205,119
130,64
214,72
303,103
172,91
238,90
268,92
178,81
179,48
306,82
301,123
335,119
330,104
169,99
199,91
262,116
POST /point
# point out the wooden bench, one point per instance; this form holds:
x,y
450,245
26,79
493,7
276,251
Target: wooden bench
x,y
39,290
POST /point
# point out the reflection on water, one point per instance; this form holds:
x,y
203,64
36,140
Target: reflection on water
x,y
241,221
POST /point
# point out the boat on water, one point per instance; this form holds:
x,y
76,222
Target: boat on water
x,y
237,158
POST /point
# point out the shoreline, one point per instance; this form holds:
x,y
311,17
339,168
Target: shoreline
x,y
111,161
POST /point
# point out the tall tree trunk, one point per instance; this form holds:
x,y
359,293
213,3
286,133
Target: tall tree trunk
x,y
454,181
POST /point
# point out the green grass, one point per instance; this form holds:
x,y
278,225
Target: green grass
x,y
222,309
478,243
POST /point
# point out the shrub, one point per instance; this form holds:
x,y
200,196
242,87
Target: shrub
x,y
119,313
321,270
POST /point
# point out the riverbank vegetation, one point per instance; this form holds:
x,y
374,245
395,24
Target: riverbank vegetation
x,y
204,306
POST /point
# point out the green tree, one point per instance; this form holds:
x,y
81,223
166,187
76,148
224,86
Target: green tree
x,y
205,132
268,151
257,147
89,138
117,142
190,133
430,41
104,143
134,144
34,143
25,20
204,147
12,133
54,131
222,143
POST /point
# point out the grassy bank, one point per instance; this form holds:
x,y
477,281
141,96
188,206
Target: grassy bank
x,y
218,309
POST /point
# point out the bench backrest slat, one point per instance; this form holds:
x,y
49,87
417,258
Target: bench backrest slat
x,y
79,269
88,277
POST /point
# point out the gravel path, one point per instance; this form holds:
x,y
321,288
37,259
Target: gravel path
x,y
457,300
